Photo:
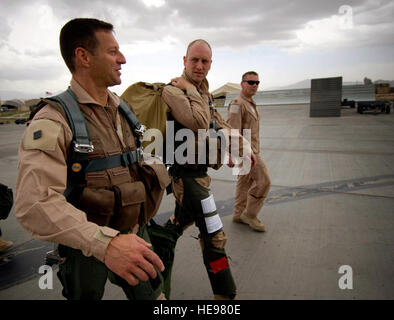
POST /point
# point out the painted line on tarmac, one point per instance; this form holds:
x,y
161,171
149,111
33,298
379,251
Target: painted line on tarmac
x,y
21,263
286,194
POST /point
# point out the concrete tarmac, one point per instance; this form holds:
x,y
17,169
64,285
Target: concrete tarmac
x,y
329,216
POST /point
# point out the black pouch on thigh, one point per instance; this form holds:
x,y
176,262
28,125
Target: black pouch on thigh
x,y
129,199
98,204
164,239
144,290
82,278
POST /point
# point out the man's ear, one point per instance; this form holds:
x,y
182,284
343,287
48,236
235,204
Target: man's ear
x,y
184,61
82,57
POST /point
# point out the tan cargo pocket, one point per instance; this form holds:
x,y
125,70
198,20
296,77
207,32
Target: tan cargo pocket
x,y
219,240
129,198
204,182
98,204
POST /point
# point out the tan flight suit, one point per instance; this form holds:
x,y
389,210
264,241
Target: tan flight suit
x,y
252,188
110,202
191,187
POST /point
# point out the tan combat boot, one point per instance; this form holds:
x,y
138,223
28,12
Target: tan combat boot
x,y
254,223
5,245
236,219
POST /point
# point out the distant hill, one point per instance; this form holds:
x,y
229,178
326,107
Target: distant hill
x,y
9,95
307,84
298,85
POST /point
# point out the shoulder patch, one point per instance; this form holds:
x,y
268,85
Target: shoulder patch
x,y
42,134
234,108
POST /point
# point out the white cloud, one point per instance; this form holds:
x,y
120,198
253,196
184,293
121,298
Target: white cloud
x,y
34,28
348,29
153,35
154,3
143,47
321,33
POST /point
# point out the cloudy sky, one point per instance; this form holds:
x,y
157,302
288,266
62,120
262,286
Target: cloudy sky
x,y
285,41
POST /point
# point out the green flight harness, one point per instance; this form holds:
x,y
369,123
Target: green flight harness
x,y
81,147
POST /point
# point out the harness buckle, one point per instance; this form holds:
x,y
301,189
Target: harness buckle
x,y
141,130
83,148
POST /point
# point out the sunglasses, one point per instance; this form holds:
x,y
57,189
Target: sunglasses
x,y
251,82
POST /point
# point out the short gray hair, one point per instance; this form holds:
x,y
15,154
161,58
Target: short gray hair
x,y
254,73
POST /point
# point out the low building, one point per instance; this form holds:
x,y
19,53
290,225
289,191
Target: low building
x,y
14,104
220,93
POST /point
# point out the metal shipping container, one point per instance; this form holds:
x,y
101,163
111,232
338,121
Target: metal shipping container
x,y
326,95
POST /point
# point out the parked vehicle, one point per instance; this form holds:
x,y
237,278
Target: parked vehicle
x,y
374,106
350,103
21,121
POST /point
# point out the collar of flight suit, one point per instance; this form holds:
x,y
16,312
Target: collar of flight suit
x,y
84,97
251,105
113,101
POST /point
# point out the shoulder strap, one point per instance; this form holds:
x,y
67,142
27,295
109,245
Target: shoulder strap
x,y
81,140
68,100
132,120
129,114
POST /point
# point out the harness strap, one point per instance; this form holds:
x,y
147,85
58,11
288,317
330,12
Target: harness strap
x,y
132,120
68,100
82,144
124,159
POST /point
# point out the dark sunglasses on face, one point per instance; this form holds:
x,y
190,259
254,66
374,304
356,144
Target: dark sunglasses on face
x,y
252,82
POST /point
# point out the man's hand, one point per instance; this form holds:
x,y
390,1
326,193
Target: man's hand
x,y
230,163
253,159
130,257
182,83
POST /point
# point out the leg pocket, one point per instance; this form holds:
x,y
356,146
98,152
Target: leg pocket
x,y
82,278
144,290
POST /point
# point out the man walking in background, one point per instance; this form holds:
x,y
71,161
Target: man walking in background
x,y
252,188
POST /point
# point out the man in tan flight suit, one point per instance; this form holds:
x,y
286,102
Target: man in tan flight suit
x,y
191,107
252,188
100,229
